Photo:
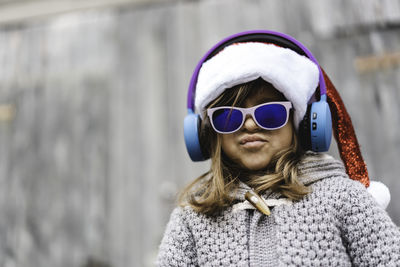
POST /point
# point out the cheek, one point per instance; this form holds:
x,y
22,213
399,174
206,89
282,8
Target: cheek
x,y
284,137
228,145
287,138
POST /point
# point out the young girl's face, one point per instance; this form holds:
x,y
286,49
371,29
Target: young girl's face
x,y
253,147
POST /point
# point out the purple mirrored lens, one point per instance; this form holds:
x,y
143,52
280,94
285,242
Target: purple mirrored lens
x,y
271,116
227,120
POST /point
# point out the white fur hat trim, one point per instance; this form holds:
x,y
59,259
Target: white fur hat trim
x,y
380,192
292,74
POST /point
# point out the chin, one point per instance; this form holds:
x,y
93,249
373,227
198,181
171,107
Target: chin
x,y
255,166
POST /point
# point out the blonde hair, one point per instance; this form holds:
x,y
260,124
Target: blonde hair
x,y
211,192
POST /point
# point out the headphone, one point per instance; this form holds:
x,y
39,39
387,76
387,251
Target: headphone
x,y
315,130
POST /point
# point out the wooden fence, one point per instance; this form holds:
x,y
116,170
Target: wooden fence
x,y
92,105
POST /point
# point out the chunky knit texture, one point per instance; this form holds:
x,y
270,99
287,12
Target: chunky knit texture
x,y
337,224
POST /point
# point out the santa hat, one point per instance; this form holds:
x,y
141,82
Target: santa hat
x,y
349,148
285,69
244,62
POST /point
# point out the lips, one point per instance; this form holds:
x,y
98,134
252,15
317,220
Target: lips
x,y
252,140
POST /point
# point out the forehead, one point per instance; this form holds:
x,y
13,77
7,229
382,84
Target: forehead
x,y
264,94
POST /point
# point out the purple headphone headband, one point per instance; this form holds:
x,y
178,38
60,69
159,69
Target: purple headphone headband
x,y
193,81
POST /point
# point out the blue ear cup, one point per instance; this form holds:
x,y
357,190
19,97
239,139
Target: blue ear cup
x,y
191,126
320,126
315,130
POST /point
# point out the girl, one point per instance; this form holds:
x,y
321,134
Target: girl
x,y
270,198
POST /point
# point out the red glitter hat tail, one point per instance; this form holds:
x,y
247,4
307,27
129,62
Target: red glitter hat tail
x,y
345,136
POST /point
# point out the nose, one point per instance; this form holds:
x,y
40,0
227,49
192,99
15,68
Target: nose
x,y
249,124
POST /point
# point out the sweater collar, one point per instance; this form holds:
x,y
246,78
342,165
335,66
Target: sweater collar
x,y
318,166
312,168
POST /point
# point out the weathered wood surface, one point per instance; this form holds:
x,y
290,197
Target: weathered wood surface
x,y
92,104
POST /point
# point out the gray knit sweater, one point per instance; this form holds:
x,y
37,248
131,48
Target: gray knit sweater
x,y
338,224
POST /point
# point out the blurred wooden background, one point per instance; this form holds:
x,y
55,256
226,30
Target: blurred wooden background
x,y
92,101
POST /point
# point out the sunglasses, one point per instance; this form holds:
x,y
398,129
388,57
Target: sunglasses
x,y
268,116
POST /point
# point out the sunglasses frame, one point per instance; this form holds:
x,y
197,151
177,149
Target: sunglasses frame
x,y
287,104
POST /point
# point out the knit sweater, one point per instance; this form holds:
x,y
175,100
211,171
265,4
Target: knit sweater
x,y
337,224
